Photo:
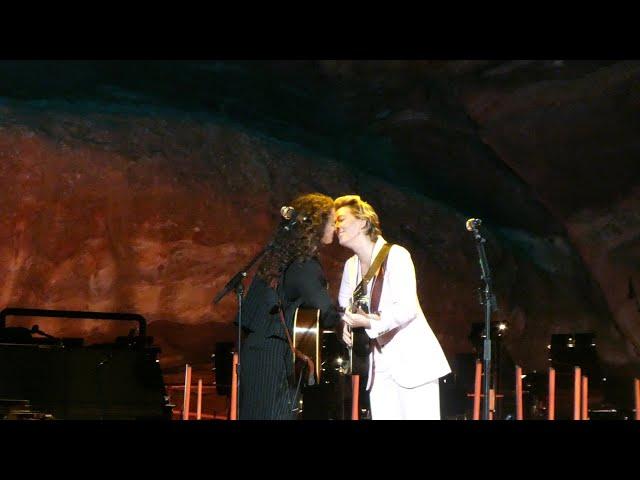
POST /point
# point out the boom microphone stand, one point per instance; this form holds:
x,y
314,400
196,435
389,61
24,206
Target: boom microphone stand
x,y
489,303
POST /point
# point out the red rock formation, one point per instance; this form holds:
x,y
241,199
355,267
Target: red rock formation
x,y
152,212
574,141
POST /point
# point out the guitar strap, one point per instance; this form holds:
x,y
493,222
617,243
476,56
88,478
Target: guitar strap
x,y
377,288
276,284
373,269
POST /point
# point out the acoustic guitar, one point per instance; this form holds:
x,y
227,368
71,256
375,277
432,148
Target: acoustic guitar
x,y
306,338
360,340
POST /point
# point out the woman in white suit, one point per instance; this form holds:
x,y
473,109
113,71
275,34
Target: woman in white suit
x,y
406,359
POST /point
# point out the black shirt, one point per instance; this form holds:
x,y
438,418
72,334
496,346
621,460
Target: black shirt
x,y
304,285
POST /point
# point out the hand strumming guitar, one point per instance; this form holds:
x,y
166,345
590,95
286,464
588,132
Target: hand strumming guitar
x,y
355,320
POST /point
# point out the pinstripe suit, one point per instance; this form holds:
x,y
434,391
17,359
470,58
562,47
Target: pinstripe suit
x,y
267,386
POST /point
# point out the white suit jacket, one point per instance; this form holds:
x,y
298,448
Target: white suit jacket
x,y
403,333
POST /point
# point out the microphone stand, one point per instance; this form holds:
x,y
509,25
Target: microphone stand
x,y
489,304
236,284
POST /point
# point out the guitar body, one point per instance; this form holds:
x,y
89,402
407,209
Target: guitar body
x,y
361,351
361,347
306,336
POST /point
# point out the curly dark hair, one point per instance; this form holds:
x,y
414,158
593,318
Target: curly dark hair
x,y
302,241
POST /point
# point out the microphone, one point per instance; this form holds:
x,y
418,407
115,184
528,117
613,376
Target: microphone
x,y
473,224
287,212
292,217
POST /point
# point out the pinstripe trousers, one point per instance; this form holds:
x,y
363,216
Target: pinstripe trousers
x,y
267,389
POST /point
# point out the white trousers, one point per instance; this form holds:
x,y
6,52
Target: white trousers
x,y
390,401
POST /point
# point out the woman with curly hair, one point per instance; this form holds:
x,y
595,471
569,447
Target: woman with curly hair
x,y
289,276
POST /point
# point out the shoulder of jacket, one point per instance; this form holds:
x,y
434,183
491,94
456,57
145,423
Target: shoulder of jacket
x,y
399,250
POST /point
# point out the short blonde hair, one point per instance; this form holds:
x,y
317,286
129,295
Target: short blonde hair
x,y
362,210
